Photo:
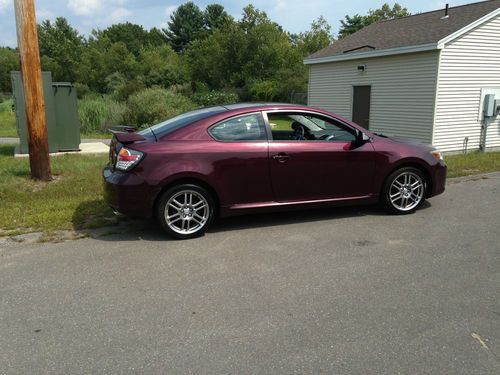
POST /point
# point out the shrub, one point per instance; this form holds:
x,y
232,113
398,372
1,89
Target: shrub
x,y
215,98
123,92
92,113
264,90
99,114
120,88
153,105
115,115
82,90
184,89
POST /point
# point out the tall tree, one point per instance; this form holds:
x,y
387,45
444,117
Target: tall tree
x,y
252,17
132,35
215,16
350,25
161,66
318,37
385,12
157,37
186,24
103,58
254,56
9,60
61,46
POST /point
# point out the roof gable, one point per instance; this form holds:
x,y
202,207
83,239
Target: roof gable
x,y
424,30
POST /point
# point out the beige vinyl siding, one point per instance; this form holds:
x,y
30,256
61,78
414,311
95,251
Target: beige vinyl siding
x,y
403,91
468,64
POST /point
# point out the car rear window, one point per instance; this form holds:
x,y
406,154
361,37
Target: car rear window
x,y
166,127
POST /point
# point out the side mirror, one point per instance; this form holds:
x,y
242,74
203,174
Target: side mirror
x,y
361,139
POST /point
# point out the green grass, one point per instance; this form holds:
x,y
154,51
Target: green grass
x,y
7,120
72,201
473,163
281,122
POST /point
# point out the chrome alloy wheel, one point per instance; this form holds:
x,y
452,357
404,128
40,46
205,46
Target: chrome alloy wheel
x,y
406,191
186,212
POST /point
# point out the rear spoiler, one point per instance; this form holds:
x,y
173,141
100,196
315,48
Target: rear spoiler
x,y
127,137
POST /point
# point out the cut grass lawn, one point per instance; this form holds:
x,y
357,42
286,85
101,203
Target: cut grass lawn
x,y
74,201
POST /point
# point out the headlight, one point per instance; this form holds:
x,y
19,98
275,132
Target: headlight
x,y
437,154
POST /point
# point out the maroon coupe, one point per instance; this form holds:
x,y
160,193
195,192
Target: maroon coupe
x,y
238,158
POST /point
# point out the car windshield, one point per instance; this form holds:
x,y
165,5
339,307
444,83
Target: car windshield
x,y
163,128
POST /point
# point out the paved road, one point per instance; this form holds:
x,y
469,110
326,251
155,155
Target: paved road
x,y
349,291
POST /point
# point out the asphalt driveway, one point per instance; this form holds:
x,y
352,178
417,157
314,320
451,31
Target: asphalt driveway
x,y
350,291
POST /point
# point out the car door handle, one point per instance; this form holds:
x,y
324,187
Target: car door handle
x,y
281,157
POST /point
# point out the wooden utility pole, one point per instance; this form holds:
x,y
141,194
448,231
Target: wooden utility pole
x,y
31,73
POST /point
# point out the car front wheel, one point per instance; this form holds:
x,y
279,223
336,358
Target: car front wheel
x,y
185,211
404,191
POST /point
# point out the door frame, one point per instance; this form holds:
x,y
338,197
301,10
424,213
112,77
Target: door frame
x,y
323,144
352,102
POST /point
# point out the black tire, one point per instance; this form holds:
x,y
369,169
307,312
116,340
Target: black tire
x,y
185,218
393,196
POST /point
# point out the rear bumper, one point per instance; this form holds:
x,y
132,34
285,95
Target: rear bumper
x,y
438,179
128,193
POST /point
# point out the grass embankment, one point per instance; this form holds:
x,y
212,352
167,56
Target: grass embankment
x,y
72,201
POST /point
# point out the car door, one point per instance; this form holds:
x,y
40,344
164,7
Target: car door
x,y
240,160
313,157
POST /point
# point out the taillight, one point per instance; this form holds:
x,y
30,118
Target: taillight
x,y
127,158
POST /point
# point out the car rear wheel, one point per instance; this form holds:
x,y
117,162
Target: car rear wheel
x,y
404,191
185,211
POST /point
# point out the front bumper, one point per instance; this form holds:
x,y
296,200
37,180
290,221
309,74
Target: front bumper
x,y
438,179
128,193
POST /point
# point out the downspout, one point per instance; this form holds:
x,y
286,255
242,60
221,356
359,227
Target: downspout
x,y
484,130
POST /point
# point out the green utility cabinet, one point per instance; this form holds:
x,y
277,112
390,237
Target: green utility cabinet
x,y
63,125
68,123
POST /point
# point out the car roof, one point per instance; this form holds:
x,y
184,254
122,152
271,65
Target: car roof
x,y
212,114
253,106
260,105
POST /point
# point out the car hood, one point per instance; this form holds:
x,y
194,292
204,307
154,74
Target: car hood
x,y
407,141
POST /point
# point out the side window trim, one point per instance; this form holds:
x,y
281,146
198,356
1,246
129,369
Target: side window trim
x,y
347,127
262,126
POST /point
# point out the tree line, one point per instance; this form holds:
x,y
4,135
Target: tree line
x,y
200,51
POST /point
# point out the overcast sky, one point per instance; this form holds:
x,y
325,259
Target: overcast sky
x,y
293,15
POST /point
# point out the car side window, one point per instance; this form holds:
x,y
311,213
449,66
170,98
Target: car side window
x,y
240,128
307,127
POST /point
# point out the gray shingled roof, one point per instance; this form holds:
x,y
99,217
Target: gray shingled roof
x,y
423,28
